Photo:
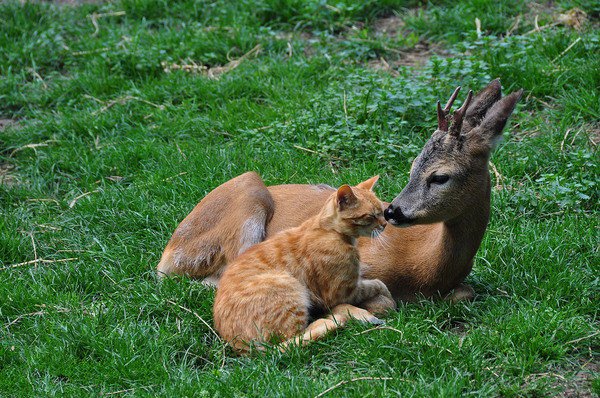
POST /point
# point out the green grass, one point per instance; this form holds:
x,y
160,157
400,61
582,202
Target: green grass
x,y
94,114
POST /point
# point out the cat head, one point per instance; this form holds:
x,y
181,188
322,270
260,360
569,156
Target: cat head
x,y
358,212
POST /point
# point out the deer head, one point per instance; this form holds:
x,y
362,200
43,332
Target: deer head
x,y
450,175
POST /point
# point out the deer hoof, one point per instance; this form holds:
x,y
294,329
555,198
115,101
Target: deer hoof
x,y
379,305
461,293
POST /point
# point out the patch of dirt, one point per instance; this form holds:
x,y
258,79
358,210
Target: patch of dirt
x,y
291,35
389,26
457,327
6,175
421,53
547,15
307,37
545,7
383,65
415,57
575,18
73,2
594,134
4,123
580,384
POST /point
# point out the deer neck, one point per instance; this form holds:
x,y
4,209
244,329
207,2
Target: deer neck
x,y
462,235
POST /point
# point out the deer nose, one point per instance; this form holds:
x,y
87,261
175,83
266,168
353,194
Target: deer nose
x,y
397,217
389,212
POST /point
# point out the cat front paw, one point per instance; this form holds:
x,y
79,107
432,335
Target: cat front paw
x,y
368,317
343,312
376,321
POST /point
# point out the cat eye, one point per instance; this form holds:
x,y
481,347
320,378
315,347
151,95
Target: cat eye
x,y
439,179
364,220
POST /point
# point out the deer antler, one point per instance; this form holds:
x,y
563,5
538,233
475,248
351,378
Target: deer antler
x,y
443,113
459,114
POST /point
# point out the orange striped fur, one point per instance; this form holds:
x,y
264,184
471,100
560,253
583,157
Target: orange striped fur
x,y
270,290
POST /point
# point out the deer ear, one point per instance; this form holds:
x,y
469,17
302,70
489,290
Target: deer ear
x,y
481,103
345,197
368,184
490,129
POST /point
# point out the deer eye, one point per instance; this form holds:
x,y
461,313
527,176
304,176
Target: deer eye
x,y
439,179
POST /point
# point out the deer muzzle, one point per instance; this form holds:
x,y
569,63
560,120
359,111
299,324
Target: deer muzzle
x,y
395,216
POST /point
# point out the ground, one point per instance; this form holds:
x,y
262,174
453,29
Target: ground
x,y
117,117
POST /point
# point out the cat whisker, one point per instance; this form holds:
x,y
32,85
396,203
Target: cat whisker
x,y
375,237
381,241
380,244
375,233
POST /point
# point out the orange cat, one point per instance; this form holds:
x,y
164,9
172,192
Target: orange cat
x,y
271,289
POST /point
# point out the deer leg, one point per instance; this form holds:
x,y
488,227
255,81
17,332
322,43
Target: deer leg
x,y
462,292
229,220
379,305
375,292
374,296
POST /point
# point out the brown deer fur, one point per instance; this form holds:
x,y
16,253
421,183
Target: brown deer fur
x,y
442,222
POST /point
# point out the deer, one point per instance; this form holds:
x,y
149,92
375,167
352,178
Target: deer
x,y
435,224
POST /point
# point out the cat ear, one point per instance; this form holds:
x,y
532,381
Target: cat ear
x,y
369,184
345,197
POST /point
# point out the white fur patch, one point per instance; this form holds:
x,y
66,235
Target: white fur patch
x,y
252,232
211,281
180,259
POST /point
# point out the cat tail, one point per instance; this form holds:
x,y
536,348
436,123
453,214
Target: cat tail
x,y
339,317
